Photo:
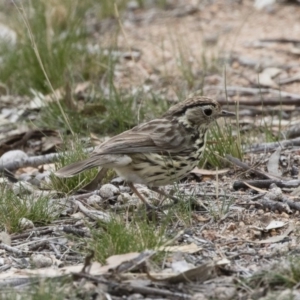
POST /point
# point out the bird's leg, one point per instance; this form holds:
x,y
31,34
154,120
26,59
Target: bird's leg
x,y
91,186
161,192
149,206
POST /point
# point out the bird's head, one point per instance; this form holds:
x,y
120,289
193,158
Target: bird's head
x,y
197,112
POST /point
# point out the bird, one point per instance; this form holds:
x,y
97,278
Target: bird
x,y
159,152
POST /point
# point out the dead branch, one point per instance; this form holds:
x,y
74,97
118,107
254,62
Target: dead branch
x,y
124,289
280,40
244,166
272,205
34,161
265,184
267,147
283,98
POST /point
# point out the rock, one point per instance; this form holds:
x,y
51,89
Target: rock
x,y
40,261
5,238
25,224
21,187
108,190
94,200
25,177
11,156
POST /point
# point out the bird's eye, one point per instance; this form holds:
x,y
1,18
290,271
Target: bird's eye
x,y
207,111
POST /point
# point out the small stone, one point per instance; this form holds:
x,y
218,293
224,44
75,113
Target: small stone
x,y
12,156
135,297
199,296
108,190
78,215
21,187
40,261
124,189
241,224
124,198
285,215
5,238
25,224
25,177
94,200
275,193
224,293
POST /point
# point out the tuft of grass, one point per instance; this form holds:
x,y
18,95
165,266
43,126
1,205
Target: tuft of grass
x,y
60,37
285,273
185,65
221,141
268,132
194,67
111,114
219,208
75,153
119,236
13,208
182,212
42,289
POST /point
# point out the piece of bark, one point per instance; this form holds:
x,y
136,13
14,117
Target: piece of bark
x,y
267,147
265,184
34,161
244,166
273,163
272,205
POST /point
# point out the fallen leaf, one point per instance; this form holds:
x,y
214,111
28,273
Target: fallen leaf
x,y
266,80
275,239
201,273
209,172
5,238
190,248
255,188
273,163
181,266
275,224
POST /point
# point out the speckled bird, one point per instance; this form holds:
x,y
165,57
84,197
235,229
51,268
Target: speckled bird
x,y
159,152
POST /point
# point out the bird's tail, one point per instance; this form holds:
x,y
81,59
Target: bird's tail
x,y
77,167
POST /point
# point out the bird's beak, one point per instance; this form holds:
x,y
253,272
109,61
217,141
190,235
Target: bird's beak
x,y
225,113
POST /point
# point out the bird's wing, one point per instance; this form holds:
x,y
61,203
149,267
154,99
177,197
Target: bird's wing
x,y
160,135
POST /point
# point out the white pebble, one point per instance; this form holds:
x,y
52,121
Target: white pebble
x,y
108,190
22,187
11,156
275,193
94,200
40,261
25,224
124,198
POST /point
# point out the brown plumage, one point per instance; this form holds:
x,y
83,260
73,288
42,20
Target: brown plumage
x,y
160,151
